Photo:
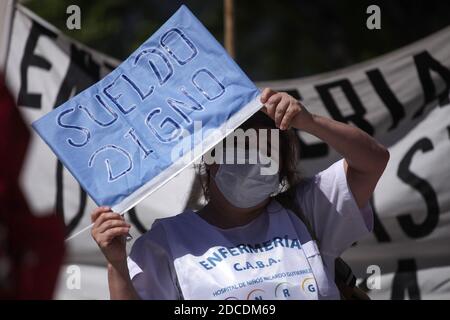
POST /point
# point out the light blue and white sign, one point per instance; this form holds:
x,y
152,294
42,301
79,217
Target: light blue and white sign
x,y
117,137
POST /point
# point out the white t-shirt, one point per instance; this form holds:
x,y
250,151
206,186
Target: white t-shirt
x,y
272,257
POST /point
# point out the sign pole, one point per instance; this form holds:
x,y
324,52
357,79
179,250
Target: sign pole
x,y
229,27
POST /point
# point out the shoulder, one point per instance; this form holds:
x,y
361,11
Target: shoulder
x,y
158,232
326,181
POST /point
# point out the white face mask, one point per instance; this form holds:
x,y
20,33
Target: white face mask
x,y
244,186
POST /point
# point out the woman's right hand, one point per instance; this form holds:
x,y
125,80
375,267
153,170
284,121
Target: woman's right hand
x,y
109,231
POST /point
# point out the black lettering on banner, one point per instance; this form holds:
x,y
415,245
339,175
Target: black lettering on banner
x,y
405,278
83,72
29,59
406,222
316,150
134,219
387,96
424,64
73,223
358,117
378,229
294,93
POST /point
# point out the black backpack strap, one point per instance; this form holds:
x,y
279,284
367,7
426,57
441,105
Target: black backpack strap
x,y
344,273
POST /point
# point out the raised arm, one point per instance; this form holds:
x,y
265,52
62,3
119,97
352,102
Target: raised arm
x,y
109,232
365,158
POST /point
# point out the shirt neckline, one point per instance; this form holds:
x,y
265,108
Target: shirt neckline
x,y
229,230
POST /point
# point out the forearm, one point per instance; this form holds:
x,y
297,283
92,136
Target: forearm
x,y
120,285
362,152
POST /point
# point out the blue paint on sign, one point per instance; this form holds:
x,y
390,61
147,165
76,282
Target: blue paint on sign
x,y
117,136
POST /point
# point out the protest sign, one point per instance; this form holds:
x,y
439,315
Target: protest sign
x,y
118,136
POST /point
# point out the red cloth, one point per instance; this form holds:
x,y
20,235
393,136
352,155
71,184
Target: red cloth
x,y
31,248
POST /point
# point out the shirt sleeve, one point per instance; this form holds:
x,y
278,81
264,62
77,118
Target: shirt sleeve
x,y
151,269
329,205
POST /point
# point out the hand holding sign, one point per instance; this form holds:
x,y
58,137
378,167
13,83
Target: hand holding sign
x,y
118,137
284,109
109,231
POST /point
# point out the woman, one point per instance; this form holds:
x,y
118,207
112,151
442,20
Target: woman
x,y
244,244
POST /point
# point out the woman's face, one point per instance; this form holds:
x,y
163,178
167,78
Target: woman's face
x,y
246,185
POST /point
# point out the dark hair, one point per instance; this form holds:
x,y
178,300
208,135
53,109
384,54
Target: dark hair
x,y
289,159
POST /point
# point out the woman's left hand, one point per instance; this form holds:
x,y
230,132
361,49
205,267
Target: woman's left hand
x,y
284,109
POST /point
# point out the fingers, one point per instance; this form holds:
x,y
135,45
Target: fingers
x,y
104,220
111,224
107,216
266,94
107,226
105,239
280,106
272,104
280,111
287,118
97,212
115,232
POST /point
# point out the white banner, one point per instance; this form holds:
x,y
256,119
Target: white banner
x,y
401,98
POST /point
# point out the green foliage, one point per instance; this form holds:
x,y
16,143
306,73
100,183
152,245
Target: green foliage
x,y
274,39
